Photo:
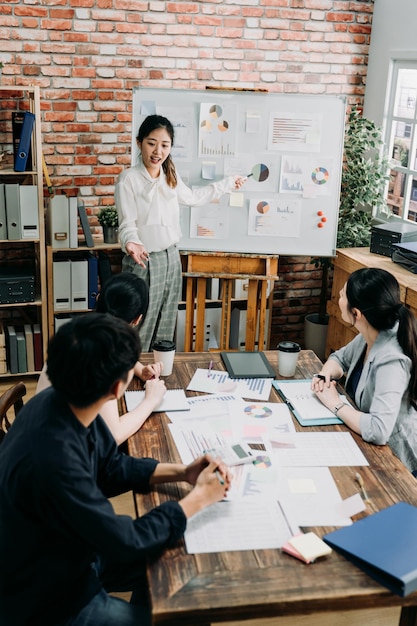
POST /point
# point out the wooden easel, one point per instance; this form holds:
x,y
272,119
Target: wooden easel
x,y
198,267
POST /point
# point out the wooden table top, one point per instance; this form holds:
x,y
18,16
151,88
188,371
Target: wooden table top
x,y
219,587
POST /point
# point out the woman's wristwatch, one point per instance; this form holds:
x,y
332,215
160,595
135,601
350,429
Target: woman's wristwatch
x,y
338,407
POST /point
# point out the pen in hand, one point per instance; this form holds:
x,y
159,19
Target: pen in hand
x,y
220,477
359,480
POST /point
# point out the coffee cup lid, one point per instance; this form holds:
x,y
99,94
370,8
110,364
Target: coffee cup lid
x,y
163,345
289,346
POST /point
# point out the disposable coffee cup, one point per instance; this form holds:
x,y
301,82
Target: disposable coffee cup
x,y
164,351
288,352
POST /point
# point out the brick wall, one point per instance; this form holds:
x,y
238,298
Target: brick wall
x,y
87,55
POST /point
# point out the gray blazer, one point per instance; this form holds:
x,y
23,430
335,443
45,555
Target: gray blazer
x,y
381,394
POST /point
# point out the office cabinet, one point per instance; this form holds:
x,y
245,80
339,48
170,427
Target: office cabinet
x,y
348,260
23,298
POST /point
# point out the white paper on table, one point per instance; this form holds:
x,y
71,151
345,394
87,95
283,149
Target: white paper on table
x,y
218,381
257,419
212,408
328,449
310,497
239,525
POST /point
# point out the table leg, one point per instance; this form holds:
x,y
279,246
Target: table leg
x,y
408,616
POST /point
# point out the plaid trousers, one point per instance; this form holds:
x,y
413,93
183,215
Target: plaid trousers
x,y
163,275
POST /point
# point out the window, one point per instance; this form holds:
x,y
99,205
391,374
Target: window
x,y
401,139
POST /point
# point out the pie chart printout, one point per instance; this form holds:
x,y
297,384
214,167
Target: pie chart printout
x,y
260,172
262,207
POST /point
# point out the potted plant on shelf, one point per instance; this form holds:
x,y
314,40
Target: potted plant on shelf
x,y
363,183
109,221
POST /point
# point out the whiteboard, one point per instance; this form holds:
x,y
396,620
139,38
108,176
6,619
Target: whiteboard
x,y
292,147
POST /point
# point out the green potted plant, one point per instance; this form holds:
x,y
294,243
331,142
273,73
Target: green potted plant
x,y
363,182
109,221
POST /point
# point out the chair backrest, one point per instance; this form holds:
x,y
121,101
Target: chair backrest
x,y
13,397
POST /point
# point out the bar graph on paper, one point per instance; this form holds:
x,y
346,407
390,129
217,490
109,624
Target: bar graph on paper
x,y
215,381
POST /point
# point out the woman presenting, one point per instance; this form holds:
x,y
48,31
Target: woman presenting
x,y
147,197
380,365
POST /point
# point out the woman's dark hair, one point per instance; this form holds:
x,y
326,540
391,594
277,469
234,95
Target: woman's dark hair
x,y
376,293
124,295
89,354
151,123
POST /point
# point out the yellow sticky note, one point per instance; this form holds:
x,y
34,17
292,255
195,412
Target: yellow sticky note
x,y
310,546
236,199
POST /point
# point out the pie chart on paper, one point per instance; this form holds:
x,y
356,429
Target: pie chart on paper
x,y
215,111
262,207
260,172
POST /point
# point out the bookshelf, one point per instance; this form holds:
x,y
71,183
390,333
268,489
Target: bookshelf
x,y
23,295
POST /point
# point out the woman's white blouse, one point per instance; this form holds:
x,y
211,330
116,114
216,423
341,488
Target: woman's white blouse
x,y
149,211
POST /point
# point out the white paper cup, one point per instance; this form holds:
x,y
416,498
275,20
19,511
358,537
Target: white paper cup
x,y
164,351
288,352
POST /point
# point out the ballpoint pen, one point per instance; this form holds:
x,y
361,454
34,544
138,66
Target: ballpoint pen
x,y
220,477
359,480
210,367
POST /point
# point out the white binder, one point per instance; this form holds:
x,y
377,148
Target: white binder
x,y
14,230
3,223
73,222
79,285
58,221
29,211
62,285
30,358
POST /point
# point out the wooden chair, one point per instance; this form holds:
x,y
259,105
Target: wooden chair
x,y
13,397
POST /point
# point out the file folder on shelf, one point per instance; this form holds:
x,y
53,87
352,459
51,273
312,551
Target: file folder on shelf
x,y
73,222
58,221
12,194
21,158
37,347
30,358
17,124
21,352
79,285
92,280
12,349
85,226
3,222
62,285
29,211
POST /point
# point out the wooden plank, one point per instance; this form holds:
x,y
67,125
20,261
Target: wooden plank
x,y
200,326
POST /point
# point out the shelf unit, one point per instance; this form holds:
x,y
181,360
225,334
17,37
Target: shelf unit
x,y
14,252
71,253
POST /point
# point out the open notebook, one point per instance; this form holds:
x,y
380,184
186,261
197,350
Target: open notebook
x,y
173,400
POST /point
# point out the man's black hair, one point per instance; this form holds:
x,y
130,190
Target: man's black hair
x,y
89,354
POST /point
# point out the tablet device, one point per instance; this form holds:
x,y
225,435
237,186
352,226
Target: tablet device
x,y
247,365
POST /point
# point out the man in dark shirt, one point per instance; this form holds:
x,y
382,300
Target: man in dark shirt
x,y
60,541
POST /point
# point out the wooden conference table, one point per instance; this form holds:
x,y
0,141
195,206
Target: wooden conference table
x,y
219,587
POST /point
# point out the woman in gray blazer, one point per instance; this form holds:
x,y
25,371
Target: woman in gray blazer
x,y
379,363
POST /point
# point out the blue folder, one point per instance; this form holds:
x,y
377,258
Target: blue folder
x,y
384,545
22,154
318,421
